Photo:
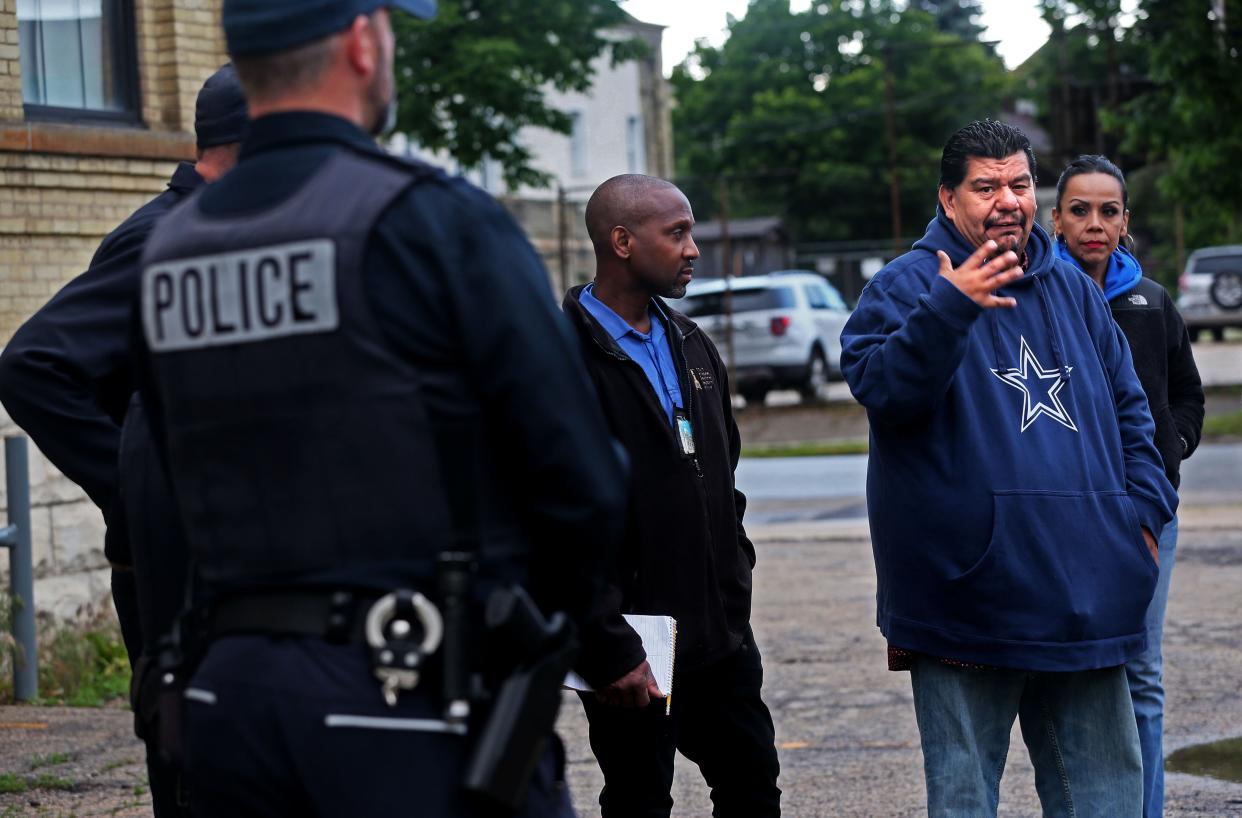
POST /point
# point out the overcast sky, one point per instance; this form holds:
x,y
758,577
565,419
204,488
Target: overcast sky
x,y
1015,23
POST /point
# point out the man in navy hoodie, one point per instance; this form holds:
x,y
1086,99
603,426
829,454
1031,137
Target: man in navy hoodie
x,y
1014,493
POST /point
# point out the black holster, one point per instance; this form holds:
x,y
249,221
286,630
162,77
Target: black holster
x,y
143,698
173,677
161,697
519,723
156,695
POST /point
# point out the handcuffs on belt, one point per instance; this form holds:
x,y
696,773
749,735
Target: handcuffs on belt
x,y
396,656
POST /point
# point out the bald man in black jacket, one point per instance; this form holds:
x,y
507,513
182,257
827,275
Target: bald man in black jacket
x,y
685,553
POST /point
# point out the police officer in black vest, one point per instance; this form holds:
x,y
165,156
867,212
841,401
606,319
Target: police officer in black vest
x,y
67,378
374,419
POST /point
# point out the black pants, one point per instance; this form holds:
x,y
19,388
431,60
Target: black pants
x,y
297,727
164,781
718,721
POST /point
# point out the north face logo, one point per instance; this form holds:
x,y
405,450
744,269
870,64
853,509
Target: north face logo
x,y
1138,300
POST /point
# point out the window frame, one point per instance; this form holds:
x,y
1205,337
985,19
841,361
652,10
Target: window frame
x,y
125,41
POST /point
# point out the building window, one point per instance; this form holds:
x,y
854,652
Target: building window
x,y
635,145
577,144
77,59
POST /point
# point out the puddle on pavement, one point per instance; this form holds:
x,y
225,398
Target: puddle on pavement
x,y
1220,759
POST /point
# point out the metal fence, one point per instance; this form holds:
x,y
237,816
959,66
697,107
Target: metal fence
x,y
16,537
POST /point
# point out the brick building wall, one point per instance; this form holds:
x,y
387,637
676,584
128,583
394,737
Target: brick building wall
x,y
64,185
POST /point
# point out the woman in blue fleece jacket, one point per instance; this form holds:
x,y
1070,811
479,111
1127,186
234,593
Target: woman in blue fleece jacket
x,y
1091,218
1011,477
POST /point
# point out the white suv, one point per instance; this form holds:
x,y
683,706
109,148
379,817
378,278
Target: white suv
x,y
786,329
1211,291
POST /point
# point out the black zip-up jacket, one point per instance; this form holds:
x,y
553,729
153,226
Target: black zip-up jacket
x,y
685,552
66,376
1160,346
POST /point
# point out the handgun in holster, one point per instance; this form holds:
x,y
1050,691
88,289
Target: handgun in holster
x,y
515,734
173,664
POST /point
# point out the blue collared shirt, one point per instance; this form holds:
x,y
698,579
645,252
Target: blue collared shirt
x,y
651,350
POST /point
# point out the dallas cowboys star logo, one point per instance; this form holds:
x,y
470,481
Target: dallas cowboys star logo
x,y
1032,378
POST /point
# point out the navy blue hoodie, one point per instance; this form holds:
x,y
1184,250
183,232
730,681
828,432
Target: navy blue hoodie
x,y
1011,466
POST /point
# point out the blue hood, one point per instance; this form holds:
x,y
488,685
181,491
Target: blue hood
x,y
942,234
1011,467
1124,271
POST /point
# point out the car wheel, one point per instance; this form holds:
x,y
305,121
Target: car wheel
x,y
1226,290
815,387
754,394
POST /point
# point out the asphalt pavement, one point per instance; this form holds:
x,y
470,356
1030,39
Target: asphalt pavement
x,y
807,489
845,725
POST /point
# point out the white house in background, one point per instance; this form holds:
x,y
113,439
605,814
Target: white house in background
x,y
623,124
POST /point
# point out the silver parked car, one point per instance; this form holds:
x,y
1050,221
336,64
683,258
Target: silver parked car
x,y
786,329
1211,290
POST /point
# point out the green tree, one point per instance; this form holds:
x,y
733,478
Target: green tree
x,y
1191,119
1088,50
958,17
471,79
792,108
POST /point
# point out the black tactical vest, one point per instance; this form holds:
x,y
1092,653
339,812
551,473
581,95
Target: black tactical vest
x,y
298,443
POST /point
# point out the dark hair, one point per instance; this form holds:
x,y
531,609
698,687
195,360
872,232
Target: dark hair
x,y
1092,163
984,138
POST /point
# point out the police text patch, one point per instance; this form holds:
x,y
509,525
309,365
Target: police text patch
x,y
242,297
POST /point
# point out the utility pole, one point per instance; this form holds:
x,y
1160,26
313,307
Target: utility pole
x,y
890,129
726,263
1179,237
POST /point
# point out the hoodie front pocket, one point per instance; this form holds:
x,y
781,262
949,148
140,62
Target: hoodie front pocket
x,y
1060,567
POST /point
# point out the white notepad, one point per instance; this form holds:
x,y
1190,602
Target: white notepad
x,y
659,635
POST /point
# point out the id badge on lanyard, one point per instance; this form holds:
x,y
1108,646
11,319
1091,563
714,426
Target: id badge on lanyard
x,y
685,432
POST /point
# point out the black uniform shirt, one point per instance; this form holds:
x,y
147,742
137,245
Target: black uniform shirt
x,y
456,286
66,376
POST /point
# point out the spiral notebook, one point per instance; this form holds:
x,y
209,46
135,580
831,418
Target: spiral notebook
x,y
659,635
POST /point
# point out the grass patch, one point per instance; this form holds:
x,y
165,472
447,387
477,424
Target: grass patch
x,y
119,763
810,449
49,760
11,783
1227,425
80,664
47,781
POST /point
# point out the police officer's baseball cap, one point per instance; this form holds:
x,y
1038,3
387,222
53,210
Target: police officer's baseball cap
x,y
256,27
220,114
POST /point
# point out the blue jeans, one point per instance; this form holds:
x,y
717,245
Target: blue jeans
x,y
1145,675
1079,729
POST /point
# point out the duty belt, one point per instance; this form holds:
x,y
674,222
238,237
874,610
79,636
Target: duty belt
x,y
402,629
337,616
